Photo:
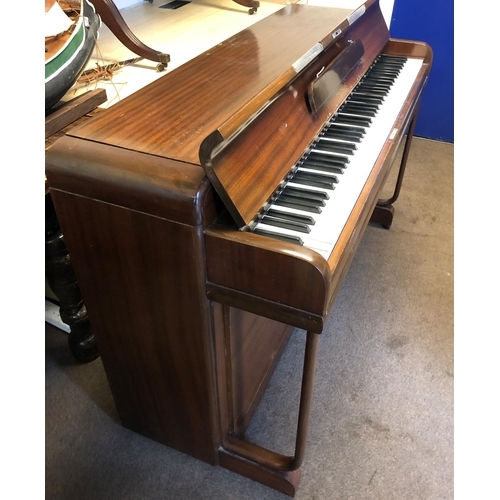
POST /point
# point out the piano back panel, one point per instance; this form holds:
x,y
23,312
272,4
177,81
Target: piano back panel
x,y
263,152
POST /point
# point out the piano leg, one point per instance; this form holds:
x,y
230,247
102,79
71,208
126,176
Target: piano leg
x,y
273,469
383,213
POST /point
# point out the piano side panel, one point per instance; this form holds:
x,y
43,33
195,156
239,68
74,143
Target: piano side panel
x,y
410,48
254,345
142,280
158,186
257,344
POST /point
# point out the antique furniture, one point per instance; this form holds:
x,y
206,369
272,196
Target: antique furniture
x,y
175,206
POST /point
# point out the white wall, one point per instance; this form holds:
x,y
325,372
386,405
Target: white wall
x,y
386,7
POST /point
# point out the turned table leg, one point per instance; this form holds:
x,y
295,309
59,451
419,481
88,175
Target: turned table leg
x,y
113,19
62,281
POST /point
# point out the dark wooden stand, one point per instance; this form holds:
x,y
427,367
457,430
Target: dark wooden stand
x,y
252,5
61,278
58,268
112,18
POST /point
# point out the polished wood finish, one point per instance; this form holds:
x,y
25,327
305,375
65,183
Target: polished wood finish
x,y
190,313
137,286
288,120
58,117
250,69
322,278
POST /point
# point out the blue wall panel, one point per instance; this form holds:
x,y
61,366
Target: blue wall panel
x,y
432,22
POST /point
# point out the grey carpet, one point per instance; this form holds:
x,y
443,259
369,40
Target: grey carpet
x,y
382,422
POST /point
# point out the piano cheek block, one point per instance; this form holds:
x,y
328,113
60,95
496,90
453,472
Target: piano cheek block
x,y
296,297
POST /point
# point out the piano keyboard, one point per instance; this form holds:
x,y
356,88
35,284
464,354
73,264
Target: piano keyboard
x,y
324,185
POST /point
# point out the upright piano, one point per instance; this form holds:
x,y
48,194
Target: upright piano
x,y
215,212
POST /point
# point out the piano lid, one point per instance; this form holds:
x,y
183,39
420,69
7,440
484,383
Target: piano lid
x,y
220,89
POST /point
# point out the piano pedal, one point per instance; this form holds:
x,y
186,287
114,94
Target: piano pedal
x,y
382,216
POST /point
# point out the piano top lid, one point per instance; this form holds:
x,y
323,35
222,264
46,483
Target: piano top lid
x,y
220,89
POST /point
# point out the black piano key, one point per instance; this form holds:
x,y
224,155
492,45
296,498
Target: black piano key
x,y
364,106
385,80
358,109
357,118
352,120
382,77
343,129
304,219
278,236
339,141
374,85
382,74
323,166
315,179
300,191
301,200
387,66
363,97
309,200
285,224
319,151
390,61
352,101
328,159
339,131
374,92
283,202
386,72
367,94
334,147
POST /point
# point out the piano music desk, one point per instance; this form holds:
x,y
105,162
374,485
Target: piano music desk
x,y
191,314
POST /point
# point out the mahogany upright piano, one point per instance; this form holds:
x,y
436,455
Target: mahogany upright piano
x,y
216,211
